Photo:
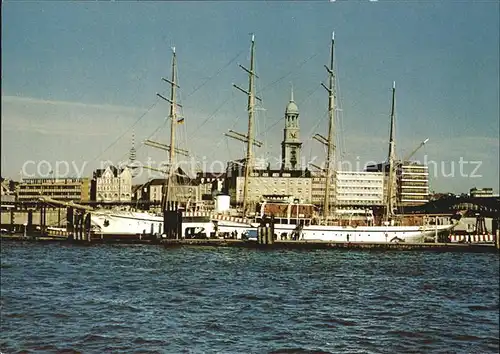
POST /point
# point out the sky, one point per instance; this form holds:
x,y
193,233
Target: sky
x,y
79,79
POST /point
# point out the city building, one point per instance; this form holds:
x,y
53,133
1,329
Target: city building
x,y
63,189
296,184
184,189
112,184
481,192
291,145
350,189
289,180
7,191
210,184
412,184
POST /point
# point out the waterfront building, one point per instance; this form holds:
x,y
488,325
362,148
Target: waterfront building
x,y
184,189
112,184
481,192
289,180
412,181
63,189
137,190
412,184
296,184
210,184
350,189
7,191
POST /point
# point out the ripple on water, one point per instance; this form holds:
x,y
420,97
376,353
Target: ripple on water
x,y
195,300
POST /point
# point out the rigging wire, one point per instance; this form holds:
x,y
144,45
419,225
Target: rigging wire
x,y
211,116
126,131
259,107
216,74
182,138
155,103
341,152
223,137
290,72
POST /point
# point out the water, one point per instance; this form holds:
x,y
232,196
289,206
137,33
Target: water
x,y
147,299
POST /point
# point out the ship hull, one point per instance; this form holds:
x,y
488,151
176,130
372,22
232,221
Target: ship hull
x,y
140,223
134,223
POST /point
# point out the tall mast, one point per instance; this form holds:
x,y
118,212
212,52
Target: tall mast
x,y
173,122
391,158
249,137
330,143
172,150
251,110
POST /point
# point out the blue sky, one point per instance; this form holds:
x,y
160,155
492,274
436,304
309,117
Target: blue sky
x,y
77,75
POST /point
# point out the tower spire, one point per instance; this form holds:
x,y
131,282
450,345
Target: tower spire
x,y
291,94
133,152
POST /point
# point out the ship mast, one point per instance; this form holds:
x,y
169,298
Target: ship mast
x,y
251,111
173,122
172,150
391,159
330,143
249,137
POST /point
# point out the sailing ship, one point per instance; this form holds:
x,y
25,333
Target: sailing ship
x,y
133,223
293,220
297,220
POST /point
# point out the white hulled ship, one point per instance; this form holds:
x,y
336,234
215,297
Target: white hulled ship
x,y
296,220
292,219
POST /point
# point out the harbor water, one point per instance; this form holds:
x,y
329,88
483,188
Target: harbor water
x,y
148,299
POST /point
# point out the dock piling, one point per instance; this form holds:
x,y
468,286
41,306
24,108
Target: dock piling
x,y
87,225
172,221
265,232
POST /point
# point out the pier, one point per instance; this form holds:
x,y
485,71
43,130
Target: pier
x,y
263,244
51,220
323,245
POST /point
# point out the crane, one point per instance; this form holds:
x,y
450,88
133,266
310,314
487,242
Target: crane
x,y
408,157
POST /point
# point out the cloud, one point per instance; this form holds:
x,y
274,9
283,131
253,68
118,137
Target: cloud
x,y
56,118
30,100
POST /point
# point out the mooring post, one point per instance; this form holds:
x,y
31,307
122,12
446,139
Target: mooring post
x,y
70,224
88,224
30,223
271,229
179,223
436,230
75,227
80,227
265,232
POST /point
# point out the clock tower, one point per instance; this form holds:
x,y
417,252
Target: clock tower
x,y
291,145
